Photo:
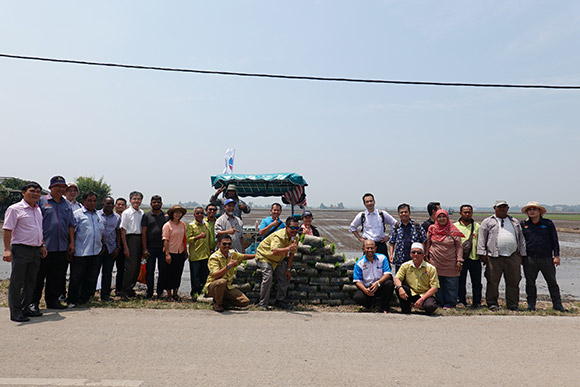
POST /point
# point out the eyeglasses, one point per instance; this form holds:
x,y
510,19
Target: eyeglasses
x,y
417,252
226,243
212,209
295,228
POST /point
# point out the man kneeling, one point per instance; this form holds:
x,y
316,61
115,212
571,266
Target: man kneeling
x,y
221,266
372,276
417,282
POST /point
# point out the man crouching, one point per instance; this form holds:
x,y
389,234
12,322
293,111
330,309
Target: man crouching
x,y
221,266
372,276
417,282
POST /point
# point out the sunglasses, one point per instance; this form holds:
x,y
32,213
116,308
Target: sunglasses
x,y
212,209
295,228
417,252
227,243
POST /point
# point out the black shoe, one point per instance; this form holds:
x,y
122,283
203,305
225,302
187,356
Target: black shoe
x,y
515,309
107,299
492,307
33,308
56,305
560,308
20,318
28,312
532,308
282,305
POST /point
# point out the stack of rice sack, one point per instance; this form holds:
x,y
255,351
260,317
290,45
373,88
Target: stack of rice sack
x,y
320,275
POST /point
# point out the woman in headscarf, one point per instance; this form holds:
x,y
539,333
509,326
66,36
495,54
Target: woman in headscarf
x,y
175,248
444,251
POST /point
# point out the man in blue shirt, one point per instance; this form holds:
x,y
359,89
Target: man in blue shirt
x,y
86,263
271,223
58,231
112,242
373,278
403,235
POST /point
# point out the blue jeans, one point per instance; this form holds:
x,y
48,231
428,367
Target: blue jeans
x,y
446,296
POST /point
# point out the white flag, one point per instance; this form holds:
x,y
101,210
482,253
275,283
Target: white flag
x,y
229,159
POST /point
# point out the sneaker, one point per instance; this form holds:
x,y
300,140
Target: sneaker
x,y
493,307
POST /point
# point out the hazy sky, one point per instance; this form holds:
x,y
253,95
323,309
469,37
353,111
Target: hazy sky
x,y
166,133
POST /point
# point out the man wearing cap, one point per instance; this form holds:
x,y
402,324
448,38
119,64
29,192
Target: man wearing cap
x,y
471,261
271,223
373,278
501,246
373,224
270,257
222,266
23,247
131,231
71,194
231,193
543,254
151,228
58,230
231,225
417,282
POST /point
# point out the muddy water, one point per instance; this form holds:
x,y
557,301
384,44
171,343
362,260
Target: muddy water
x,y
334,225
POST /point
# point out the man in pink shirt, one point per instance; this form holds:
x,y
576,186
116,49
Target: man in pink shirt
x,y
23,246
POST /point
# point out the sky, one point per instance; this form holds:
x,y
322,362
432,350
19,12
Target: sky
x,y
167,133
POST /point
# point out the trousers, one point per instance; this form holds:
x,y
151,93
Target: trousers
x,y
534,265
218,289
268,275
509,267
25,265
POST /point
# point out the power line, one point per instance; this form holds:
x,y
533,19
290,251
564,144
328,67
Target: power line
x,y
280,76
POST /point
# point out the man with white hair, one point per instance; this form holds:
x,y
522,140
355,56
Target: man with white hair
x,y
543,252
417,282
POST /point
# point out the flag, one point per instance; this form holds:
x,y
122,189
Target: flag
x,y
229,159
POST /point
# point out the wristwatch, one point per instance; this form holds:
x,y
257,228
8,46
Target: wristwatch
x,y
397,288
228,266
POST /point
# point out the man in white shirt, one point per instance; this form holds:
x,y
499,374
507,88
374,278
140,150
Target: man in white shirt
x,y
501,246
132,245
373,224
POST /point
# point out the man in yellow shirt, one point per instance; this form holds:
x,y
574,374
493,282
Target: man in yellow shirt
x,y
270,256
471,261
222,266
198,237
417,282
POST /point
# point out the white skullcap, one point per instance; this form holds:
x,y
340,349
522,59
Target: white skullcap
x,y
417,245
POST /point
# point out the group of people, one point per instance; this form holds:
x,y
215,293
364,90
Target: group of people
x,y
430,262
43,234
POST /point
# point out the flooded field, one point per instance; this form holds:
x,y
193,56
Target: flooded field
x,y
334,225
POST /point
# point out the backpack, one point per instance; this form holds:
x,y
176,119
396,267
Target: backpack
x,y
363,218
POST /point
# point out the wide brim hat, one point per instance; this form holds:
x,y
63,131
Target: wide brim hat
x,y
176,207
534,204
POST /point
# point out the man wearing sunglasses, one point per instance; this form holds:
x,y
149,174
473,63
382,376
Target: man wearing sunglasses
x,y
271,255
222,266
417,282
501,246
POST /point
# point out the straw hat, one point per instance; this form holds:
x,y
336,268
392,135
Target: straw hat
x,y
176,207
534,204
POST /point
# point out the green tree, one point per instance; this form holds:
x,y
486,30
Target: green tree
x,y
14,183
99,187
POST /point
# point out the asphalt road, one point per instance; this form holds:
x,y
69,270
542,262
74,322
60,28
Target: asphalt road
x,y
109,347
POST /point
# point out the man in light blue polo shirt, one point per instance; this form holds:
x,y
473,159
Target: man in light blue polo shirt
x,y
271,223
373,278
86,263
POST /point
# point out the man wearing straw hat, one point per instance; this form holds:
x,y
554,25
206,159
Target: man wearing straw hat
x,y
543,252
